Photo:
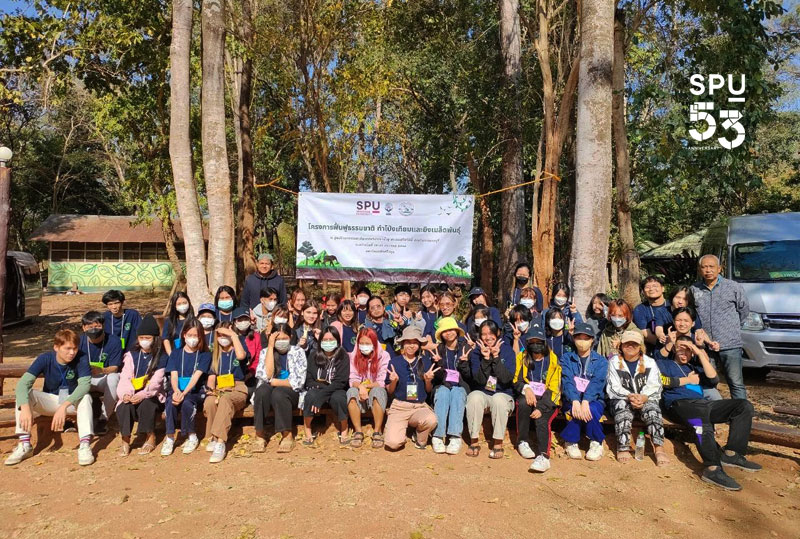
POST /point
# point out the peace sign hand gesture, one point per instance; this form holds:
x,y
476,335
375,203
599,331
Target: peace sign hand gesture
x,y
393,376
435,357
485,350
430,372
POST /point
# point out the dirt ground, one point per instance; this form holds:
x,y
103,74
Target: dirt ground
x,y
327,491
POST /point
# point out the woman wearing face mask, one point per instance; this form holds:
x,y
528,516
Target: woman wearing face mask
x,y
180,310
326,383
297,302
330,304
368,366
361,299
559,340
346,323
264,311
207,316
519,322
247,334
187,368
522,278
560,301
141,390
478,297
597,313
479,315
308,331
225,302
226,392
537,386
620,321
281,374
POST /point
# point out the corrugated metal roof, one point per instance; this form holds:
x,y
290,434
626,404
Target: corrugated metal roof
x,y
102,228
691,244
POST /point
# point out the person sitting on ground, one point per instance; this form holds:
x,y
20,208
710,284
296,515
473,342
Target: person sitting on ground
x,y
327,381
346,323
683,322
140,392
74,291
597,313
685,402
180,310
265,276
118,320
583,381
104,353
410,381
490,374
187,369
67,379
281,375
619,321
369,364
264,311
634,386
537,385
653,314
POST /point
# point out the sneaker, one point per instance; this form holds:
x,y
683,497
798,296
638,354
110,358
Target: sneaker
x,y
595,451
573,452
20,453
540,464
738,461
719,478
211,446
219,453
525,450
85,456
190,445
438,445
167,447
454,447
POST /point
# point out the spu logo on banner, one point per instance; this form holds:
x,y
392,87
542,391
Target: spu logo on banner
x,y
703,111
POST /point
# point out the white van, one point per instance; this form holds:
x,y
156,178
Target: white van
x,y
762,252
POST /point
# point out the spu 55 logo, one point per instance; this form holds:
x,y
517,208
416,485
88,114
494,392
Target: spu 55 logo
x,y
368,207
702,111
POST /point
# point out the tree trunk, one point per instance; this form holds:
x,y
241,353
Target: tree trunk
x,y
487,240
513,200
168,229
180,152
589,253
628,274
221,267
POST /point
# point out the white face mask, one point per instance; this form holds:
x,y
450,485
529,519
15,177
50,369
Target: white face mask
x,y
281,320
479,321
527,302
145,345
207,322
328,346
556,324
182,308
191,342
224,341
365,349
522,326
283,345
244,325
560,301
271,304
362,300
618,321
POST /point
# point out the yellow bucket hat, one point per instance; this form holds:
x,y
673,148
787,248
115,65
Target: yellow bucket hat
x,y
446,324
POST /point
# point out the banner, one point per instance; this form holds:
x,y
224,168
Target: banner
x,y
386,238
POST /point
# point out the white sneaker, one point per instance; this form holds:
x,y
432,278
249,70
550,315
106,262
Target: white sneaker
x,y
190,445
85,456
167,447
211,446
454,446
595,451
540,464
20,453
573,452
438,445
219,453
525,450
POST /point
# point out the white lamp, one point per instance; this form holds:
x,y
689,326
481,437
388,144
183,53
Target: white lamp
x,y
5,155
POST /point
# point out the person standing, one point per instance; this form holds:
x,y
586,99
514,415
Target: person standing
x,y
265,276
722,306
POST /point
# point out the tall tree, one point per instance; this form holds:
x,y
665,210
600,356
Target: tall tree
x,y
180,151
221,267
593,159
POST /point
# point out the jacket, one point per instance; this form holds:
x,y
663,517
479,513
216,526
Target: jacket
x,y
552,381
383,367
596,372
255,283
621,384
611,332
318,393
296,363
154,387
478,370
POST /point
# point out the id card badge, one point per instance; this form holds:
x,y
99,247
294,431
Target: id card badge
x,y
452,376
138,383
383,345
225,381
183,382
123,343
63,394
97,364
538,388
283,375
491,383
411,391
581,383
696,388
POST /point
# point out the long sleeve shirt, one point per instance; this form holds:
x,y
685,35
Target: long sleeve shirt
x,y
722,309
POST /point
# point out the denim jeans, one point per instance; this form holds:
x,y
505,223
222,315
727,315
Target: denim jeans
x,y
730,362
448,405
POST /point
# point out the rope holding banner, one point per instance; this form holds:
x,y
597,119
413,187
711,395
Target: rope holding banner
x,y
538,180
272,184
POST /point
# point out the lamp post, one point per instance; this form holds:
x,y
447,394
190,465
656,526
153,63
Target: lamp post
x,y
5,209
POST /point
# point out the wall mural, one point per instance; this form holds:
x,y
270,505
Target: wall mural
x,y
104,275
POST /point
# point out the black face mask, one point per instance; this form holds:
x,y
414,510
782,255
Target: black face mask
x,y
521,280
93,333
538,348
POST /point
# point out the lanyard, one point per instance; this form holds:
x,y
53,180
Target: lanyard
x,y
89,352
412,370
183,353
681,368
561,345
545,368
138,363
121,324
230,361
447,356
586,365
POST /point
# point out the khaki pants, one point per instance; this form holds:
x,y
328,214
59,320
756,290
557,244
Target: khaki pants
x,y
500,405
46,404
220,414
401,415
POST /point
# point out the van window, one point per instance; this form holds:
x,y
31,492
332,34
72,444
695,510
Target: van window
x,y
767,261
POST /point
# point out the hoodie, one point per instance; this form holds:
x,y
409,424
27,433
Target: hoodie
x,y
255,283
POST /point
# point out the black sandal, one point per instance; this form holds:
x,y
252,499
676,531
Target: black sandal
x,y
474,450
358,440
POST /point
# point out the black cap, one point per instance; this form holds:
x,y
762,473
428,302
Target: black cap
x,y
148,326
583,329
239,312
477,291
535,332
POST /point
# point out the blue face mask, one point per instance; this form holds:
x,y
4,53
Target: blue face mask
x,y
225,304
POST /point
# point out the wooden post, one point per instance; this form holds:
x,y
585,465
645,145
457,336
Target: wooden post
x,y
346,291
5,210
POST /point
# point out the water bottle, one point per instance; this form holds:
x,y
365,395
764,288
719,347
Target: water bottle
x,y
639,455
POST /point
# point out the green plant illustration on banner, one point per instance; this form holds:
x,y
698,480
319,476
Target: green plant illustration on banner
x,y
123,275
317,260
456,268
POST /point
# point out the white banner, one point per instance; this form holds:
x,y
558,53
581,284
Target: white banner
x,y
386,238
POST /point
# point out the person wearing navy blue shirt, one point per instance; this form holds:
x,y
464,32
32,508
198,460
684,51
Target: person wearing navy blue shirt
x,y
409,381
520,321
104,353
361,299
187,369
583,382
652,315
398,311
522,279
180,310
478,297
683,399
226,392
429,310
65,392
490,375
560,300
225,303
207,316
378,321
118,320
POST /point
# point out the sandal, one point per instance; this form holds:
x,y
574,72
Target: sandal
x,y
661,457
496,453
358,440
147,448
473,450
287,445
343,439
125,450
623,457
260,445
377,440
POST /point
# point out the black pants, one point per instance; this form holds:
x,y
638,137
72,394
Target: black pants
x,y
144,412
283,400
702,414
542,425
337,401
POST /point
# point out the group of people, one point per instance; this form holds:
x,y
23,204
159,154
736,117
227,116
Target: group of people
x,y
412,367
